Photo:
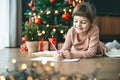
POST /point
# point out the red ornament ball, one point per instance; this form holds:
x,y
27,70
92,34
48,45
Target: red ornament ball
x,y
65,16
77,2
69,1
53,40
31,4
23,39
33,8
38,21
27,23
52,1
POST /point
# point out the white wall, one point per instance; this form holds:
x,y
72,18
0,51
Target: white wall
x,y
4,22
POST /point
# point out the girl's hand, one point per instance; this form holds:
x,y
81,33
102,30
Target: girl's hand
x,y
60,57
67,54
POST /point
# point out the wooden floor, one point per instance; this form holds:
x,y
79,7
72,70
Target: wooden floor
x,y
6,55
109,70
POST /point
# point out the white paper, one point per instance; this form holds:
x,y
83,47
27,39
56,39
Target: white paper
x,y
44,53
52,59
44,56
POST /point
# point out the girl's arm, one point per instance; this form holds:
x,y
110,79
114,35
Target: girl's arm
x,y
67,44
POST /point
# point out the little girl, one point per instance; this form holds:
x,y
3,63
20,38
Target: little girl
x,y
82,40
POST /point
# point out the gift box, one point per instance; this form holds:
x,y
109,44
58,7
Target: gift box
x,y
43,45
53,40
60,45
51,47
23,47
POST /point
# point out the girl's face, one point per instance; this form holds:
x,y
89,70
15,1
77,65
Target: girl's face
x,y
81,24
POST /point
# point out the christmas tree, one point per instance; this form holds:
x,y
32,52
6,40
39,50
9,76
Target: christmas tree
x,y
48,19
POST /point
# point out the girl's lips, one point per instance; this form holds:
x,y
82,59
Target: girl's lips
x,y
79,28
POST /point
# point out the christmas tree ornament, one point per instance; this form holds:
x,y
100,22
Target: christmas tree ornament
x,y
77,2
65,16
23,39
52,1
33,8
38,21
27,23
69,1
31,4
53,40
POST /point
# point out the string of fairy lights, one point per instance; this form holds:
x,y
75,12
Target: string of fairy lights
x,y
44,70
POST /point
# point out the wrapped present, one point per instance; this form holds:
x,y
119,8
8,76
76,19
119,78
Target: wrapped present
x,y
50,45
60,45
43,45
23,47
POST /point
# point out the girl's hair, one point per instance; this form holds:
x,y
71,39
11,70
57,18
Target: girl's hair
x,y
85,9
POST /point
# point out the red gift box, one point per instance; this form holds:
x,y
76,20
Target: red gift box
x,y
54,41
23,47
43,45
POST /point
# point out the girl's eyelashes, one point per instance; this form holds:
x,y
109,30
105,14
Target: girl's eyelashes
x,y
75,21
82,22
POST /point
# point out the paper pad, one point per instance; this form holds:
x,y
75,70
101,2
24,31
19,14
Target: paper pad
x,y
49,56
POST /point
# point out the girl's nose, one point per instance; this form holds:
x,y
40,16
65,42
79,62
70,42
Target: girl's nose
x,y
79,24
